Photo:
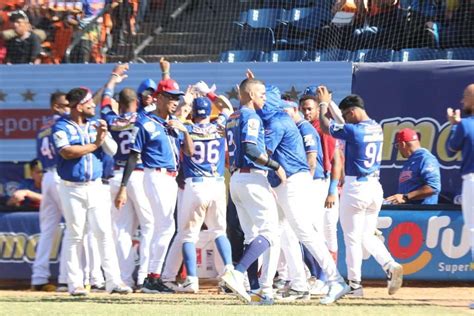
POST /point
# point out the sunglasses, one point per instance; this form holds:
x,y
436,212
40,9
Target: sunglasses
x,y
173,97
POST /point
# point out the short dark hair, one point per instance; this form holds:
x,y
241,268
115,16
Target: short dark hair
x,y
352,100
247,82
34,163
18,15
55,97
126,96
307,97
75,96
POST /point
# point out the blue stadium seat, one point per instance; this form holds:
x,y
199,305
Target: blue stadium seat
x,y
232,56
265,18
328,55
285,55
461,53
297,14
414,54
373,55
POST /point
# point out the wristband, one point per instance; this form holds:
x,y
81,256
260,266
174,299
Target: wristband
x,y
165,72
323,104
212,96
405,197
115,75
333,187
272,164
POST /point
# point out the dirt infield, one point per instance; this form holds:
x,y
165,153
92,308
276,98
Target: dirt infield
x,y
408,301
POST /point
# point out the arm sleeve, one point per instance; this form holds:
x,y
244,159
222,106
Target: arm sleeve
x,y
251,151
109,146
60,137
455,139
431,174
341,131
310,139
250,130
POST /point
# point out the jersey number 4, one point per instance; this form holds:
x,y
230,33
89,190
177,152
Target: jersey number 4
x,y
206,152
47,149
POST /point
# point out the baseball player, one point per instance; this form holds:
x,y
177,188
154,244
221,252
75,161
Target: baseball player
x,y
80,142
137,209
284,142
203,199
461,138
420,180
157,137
50,207
251,192
362,194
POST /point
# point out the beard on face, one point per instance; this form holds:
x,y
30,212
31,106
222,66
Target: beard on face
x,y
467,111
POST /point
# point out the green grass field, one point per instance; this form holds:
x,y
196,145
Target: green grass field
x,y
414,301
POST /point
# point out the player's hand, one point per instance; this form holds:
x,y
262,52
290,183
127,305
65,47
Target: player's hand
x,y
396,199
203,88
188,97
323,94
178,125
164,65
454,117
121,198
120,72
18,197
280,172
330,201
250,74
101,128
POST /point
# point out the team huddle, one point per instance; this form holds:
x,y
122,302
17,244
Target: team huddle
x,y
171,150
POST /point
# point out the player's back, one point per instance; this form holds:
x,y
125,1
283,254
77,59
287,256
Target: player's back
x,y
45,150
121,129
208,159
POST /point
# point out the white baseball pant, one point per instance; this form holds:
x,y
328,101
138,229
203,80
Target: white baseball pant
x,y
91,260
49,219
161,189
359,209
325,219
468,206
258,215
84,203
125,222
293,197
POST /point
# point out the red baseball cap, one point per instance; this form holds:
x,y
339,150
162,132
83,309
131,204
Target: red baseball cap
x,y
406,135
169,86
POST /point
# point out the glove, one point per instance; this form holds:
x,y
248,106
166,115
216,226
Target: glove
x,y
203,88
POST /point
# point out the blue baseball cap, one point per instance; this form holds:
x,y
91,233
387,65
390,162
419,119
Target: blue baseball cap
x,y
312,91
202,107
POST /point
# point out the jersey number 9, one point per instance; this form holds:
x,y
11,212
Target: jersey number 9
x,y
206,152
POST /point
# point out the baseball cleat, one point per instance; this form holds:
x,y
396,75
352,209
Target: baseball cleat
x,y
79,291
172,285
47,287
97,288
395,277
234,280
62,288
318,287
152,285
294,295
336,291
190,285
356,289
122,289
257,297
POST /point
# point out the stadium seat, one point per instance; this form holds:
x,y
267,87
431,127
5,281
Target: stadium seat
x,y
328,55
285,55
232,56
373,55
461,53
414,54
264,18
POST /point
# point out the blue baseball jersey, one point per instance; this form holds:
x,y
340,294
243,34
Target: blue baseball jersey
x,y
45,150
421,168
461,138
121,129
312,143
284,141
157,142
68,133
209,152
363,146
244,126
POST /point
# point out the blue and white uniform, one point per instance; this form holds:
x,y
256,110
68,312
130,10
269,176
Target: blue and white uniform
x,y
250,190
285,143
137,210
82,199
159,145
420,169
362,194
461,138
50,207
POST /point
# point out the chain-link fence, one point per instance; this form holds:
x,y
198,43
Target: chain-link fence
x,y
236,30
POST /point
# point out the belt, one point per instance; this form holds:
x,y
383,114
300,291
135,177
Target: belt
x,y
250,170
79,184
120,167
203,179
172,173
367,176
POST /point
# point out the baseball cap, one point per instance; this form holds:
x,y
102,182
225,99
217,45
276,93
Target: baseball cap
x,y
312,90
406,135
202,107
169,86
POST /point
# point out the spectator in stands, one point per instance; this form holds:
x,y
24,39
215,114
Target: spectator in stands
x,y
420,180
29,192
25,46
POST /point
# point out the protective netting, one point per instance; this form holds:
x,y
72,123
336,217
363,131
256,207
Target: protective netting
x,y
238,30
